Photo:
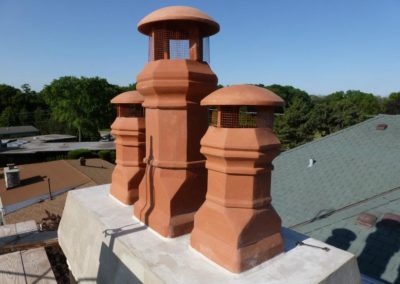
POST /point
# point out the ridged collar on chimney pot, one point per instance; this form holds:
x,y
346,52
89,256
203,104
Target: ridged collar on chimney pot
x,y
178,14
129,97
243,95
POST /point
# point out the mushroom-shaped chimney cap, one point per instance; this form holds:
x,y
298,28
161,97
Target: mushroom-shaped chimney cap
x,y
179,13
130,97
243,95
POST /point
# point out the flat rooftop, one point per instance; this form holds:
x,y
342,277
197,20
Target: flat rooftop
x,y
17,130
26,147
74,176
34,181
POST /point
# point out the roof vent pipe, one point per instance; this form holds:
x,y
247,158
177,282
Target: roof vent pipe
x,y
311,163
381,126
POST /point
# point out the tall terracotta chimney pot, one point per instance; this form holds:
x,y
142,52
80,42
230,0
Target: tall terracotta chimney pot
x,y
236,226
129,131
173,82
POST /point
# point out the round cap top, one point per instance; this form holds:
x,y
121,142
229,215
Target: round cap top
x,y
130,97
242,95
179,13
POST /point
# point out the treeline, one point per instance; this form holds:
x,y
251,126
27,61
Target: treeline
x,y
69,105
306,117
81,107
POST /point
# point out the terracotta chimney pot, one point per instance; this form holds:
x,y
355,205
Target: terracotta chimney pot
x,y
175,80
236,226
129,132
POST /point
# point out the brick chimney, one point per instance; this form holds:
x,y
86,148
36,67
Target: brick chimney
x,y
129,131
173,82
236,226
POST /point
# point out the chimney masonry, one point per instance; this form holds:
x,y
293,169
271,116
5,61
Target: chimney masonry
x,y
129,130
173,82
236,226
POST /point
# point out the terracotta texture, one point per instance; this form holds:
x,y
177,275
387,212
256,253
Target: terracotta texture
x,y
129,132
237,227
183,14
175,182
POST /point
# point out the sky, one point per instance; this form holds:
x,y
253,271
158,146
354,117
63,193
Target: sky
x,y
320,46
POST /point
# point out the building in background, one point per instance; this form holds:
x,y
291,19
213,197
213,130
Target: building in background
x,y
18,131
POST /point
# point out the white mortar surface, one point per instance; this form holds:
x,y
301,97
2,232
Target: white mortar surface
x,y
104,244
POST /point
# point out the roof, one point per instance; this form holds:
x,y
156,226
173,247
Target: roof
x,y
24,266
63,174
25,147
356,170
242,95
17,130
179,13
49,138
130,97
34,181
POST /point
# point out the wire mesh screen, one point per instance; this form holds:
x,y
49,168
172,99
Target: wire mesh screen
x,y
175,44
150,51
206,49
232,117
134,110
179,49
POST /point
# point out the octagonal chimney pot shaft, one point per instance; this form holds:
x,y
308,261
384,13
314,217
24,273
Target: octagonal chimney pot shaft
x,y
236,226
129,132
173,82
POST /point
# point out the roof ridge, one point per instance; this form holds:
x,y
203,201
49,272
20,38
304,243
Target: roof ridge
x,y
76,169
333,134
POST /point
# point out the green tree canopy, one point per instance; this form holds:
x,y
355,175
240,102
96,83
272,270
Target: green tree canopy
x,y
294,126
392,103
83,104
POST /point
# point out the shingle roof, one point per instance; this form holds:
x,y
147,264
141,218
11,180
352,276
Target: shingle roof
x,y
72,176
34,181
356,170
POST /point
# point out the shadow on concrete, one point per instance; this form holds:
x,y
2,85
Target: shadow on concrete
x,y
291,238
37,278
341,238
379,249
111,268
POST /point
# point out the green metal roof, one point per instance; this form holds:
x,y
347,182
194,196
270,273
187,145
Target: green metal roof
x,y
356,170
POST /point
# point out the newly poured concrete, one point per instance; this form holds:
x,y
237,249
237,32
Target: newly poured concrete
x,y
104,243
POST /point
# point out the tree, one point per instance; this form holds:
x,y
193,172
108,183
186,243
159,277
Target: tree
x,y
321,117
83,104
6,94
24,116
8,117
367,104
294,126
26,89
130,87
392,104
345,114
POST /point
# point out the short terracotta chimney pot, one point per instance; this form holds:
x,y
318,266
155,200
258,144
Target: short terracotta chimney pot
x,y
236,226
129,132
173,82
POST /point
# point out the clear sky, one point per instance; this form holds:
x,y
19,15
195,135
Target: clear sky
x,y
320,46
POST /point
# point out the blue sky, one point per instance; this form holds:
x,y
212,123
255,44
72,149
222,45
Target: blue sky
x,y
320,46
